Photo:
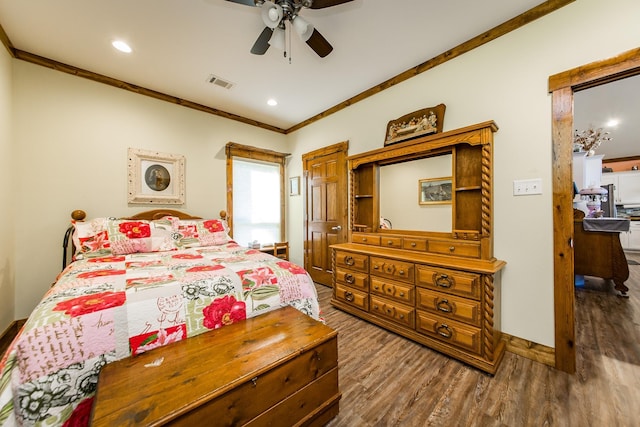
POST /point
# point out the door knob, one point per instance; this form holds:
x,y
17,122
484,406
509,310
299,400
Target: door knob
x,y
336,228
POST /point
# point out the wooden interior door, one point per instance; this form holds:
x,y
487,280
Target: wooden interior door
x,y
326,216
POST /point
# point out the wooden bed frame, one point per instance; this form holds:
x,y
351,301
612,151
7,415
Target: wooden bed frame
x,y
80,215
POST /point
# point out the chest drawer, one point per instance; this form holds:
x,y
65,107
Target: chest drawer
x,y
394,311
471,250
394,290
366,239
449,331
449,306
352,297
450,281
353,279
414,244
391,241
352,261
393,269
212,376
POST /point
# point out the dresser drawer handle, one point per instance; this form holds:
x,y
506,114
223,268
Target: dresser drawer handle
x,y
444,305
402,294
364,239
413,244
376,266
376,287
445,331
348,296
401,272
349,278
390,242
444,281
452,248
348,260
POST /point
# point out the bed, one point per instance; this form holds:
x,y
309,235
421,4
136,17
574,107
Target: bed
x,y
136,284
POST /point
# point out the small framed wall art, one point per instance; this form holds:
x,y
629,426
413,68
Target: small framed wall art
x,y
155,178
434,191
294,186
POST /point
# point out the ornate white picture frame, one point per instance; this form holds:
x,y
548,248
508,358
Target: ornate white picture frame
x,y
155,178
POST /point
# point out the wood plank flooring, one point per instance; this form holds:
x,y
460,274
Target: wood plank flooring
x,y
387,380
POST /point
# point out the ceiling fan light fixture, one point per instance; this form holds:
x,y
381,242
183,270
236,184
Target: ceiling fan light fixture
x,y
277,39
303,28
271,14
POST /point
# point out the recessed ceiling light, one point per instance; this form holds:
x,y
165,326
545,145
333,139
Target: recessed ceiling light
x,y
613,122
272,102
121,46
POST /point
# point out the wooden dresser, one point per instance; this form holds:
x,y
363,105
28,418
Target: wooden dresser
x,y
441,289
279,368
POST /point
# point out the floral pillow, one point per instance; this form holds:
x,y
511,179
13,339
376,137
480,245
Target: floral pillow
x,y
91,239
200,232
132,236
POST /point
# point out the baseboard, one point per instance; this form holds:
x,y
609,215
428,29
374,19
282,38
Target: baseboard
x,y
9,334
530,350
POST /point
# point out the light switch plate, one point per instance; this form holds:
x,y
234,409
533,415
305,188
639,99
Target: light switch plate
x,y
527,187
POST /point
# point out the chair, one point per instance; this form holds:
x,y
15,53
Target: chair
x,y
281,250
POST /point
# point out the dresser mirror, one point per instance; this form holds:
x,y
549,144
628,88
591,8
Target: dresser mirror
x,y
400,195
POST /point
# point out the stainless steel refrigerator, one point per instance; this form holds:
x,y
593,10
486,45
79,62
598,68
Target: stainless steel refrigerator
x,y
608,207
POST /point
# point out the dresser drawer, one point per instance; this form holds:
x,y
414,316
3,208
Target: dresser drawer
x,y
352,279
394,311
397,291
449,331
450,281
393,269
366,239
449,306
414,244
391,241
352,297
471,250
352,261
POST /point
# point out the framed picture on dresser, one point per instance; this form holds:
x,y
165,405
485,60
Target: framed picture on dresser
x,y
433,191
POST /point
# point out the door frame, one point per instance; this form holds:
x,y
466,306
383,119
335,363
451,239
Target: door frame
x,y
562,86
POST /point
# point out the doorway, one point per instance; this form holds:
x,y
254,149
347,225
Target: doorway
x,y
562,87
326,219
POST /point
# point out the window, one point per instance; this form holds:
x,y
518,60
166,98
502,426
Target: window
x,y
255,204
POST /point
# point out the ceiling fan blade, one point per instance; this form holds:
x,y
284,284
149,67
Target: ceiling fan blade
x,y
246,2
262,43
321,4
319,44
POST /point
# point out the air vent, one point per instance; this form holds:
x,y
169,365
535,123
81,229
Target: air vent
x,y
219,82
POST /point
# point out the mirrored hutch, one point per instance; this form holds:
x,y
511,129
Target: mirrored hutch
x,y
419,261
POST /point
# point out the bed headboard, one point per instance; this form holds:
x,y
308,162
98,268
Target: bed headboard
x,y
80,215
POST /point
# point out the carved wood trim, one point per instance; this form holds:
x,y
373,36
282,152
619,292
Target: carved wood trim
x,y
488,317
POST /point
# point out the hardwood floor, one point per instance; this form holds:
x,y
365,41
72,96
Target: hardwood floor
x,y
387,380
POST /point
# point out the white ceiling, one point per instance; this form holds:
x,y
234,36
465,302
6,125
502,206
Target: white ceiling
x,y
619,100
178,44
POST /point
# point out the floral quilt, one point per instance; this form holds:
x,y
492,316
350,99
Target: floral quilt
x,y
105,308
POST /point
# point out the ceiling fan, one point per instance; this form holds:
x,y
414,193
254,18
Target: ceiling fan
x,y
275,13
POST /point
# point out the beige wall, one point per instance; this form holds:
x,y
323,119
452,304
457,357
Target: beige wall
x,y
7,284
506,81
71,140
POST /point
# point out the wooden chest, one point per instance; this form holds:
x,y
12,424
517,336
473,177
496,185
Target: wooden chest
x,y
279,368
